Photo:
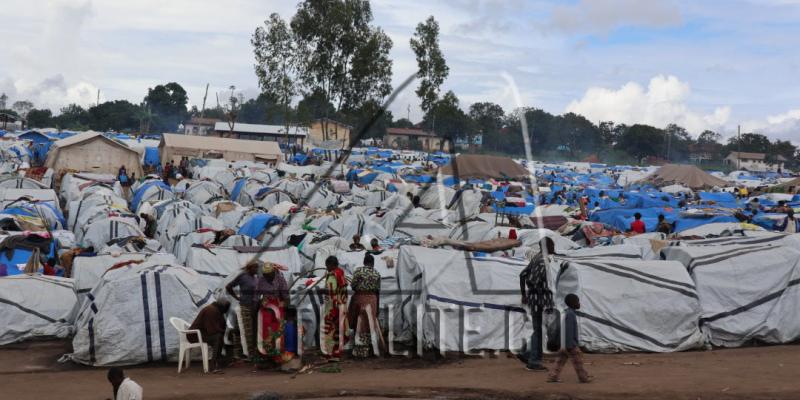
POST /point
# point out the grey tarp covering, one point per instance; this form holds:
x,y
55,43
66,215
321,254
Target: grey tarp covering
x,y
87,271
630,305
217,263
309,301
125,318
747,292
33,306
450,285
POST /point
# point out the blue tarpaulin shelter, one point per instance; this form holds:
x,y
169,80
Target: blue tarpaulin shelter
x,y
257,224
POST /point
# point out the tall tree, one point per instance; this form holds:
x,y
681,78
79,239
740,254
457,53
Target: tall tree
x,y
3,100
709,137
168,104
488,119
432,68
277,64
342,56
118,115
232,107
40,118
22,107
451,122
72,117
641,141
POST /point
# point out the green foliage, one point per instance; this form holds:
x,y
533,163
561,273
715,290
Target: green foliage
x,y
371,119
167,103
313,106
118,115
341,55
402,123
261,110
40,118
432,67
447,120
641,141
72,117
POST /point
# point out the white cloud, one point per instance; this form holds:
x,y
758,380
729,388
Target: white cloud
x,y
663,102
783,126
604,16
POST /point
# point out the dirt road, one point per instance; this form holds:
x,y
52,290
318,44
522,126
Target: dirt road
x,y
29,371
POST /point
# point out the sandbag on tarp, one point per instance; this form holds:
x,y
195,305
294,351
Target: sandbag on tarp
x,y
215,264
630,305
35,307
125,318
747,292
448,286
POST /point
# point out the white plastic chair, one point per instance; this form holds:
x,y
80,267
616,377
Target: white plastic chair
x,y
184,354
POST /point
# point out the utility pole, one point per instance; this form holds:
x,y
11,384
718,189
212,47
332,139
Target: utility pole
x,y
203,110
98,97
739,147
408,113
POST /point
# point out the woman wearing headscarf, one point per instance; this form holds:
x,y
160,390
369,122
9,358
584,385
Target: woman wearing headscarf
x,y
273,292
363,313
336,326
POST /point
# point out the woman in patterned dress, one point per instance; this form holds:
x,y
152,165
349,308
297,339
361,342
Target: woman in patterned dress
x,y
363,316
335,322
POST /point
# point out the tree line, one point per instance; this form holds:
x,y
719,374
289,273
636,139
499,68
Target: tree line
x,y
330,61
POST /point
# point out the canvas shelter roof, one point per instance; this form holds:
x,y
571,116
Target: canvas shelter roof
x,y
264,149
686,175
484,167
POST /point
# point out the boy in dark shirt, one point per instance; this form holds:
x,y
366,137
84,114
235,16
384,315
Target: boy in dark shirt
x,y
571,348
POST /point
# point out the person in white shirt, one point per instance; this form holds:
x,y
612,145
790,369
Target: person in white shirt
x,y
124,387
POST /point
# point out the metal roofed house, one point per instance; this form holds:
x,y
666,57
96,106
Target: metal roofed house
x,y
757,162
258,132
175,146
404,138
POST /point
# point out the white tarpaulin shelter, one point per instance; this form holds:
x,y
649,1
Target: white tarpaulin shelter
x,y
747,292
125,319
453,285
33,306
630,305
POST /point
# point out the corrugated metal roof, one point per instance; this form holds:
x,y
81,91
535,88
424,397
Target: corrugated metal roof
x,y
221,144
261,129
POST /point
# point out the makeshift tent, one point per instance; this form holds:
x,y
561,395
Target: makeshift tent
x,y
219,263
125,320
747,292
441,287
484,167
173,147
93,152
35,307
617,298
686,175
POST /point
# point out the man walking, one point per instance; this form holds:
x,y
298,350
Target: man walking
x,y
537,296
571,349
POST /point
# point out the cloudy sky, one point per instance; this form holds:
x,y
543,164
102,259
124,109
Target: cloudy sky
x,y
710,64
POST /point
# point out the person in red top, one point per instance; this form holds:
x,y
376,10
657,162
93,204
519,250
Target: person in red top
x,y
637,226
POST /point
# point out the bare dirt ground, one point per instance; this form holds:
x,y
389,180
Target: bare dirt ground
x,y
30,371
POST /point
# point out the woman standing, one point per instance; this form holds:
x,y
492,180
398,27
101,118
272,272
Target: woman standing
x,y
274,293
366,286
336,327
247,281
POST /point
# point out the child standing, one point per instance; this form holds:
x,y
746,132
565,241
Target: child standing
x,y
571,348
